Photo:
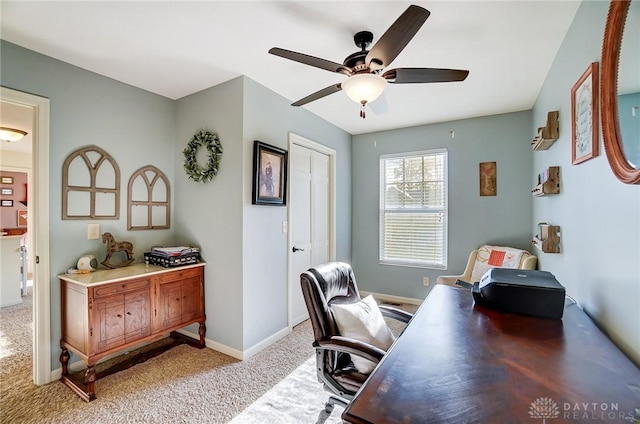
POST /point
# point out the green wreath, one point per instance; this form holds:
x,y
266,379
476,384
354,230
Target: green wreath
x,y
212,143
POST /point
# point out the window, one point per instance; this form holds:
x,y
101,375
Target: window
x,y
413,209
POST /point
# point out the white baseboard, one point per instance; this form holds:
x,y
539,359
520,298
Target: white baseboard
x,y
11,303
391,298
248,353
234,353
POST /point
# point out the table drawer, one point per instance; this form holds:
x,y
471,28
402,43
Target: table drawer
x,y
114,288
180,274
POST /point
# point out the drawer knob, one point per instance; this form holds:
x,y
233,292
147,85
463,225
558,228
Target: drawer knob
x,y
119,315
128,313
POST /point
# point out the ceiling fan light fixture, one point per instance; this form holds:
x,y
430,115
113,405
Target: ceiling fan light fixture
x,y
364,88
11,134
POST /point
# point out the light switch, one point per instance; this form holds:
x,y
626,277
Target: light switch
x,y
93,231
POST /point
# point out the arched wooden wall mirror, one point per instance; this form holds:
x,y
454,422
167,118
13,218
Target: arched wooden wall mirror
x,y
620,94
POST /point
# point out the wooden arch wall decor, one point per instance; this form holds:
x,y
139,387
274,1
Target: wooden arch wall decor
x,y
149,200
90,185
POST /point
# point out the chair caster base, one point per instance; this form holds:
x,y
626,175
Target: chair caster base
x,y
335,400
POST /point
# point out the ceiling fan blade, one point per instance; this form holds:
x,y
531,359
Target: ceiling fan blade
x,y
424,75
318,94
397,37
311,60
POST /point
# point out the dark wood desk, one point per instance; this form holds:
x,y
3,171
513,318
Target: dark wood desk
x,y
459,363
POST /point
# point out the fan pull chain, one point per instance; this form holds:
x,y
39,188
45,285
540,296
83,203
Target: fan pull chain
x,y
362,113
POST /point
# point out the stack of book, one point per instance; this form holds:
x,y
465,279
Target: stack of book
x,y
172,256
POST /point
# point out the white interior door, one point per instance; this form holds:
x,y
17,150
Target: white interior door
x,y
310,218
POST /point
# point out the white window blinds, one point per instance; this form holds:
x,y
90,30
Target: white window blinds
x,y
413,209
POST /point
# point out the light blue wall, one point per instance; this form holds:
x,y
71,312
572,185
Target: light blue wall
x,y
269,117
473,220
243,244
135,127
210,214
599,217
630,125
139,128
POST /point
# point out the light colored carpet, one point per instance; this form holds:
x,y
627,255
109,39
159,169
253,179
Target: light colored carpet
x,y
299,398
183,385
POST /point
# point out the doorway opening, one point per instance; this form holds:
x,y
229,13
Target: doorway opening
x,y
36,109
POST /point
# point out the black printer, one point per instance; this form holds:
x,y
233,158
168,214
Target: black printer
x,y
527,292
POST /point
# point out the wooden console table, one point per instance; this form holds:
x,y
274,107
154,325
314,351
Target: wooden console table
x,y
109,311
460,363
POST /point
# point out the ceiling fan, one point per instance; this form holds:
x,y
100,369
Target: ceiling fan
x,y
366,80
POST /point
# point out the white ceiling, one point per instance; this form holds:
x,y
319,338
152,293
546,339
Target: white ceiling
x,y
20,117
176,48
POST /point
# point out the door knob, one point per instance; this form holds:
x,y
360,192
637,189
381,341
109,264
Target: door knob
x,y
295,249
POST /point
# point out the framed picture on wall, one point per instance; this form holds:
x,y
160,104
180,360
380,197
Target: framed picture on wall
x,y
6,180
7,191
22,218
6,203
584,116
269,175
488,179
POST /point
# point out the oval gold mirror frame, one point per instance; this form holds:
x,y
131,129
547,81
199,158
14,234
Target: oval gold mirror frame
x,y
611,134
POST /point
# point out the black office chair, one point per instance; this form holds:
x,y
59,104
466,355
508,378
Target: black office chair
x,y
323,286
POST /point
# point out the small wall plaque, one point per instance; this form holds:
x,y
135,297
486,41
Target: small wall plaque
x,y
488,179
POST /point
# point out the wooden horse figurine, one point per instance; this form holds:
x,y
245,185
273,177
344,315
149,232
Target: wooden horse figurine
x,y
113,246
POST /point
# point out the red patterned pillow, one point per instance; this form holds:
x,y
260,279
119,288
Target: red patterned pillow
x,y
496,258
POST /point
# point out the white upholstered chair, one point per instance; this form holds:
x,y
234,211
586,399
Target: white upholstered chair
x,y
488,256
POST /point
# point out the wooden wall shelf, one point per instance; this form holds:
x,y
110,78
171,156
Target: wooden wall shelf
x,y
548,182
548,238
548,134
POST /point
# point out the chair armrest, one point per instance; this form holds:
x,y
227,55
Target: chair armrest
x,y
351,346
449,279
529,262
395,313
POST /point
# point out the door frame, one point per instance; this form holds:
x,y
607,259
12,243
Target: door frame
x,y
294,280
41,271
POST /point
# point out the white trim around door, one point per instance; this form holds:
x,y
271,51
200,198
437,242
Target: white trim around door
x,y
40,210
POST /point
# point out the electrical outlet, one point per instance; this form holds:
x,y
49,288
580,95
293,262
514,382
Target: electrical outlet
x,y
425,281
93,231
284,227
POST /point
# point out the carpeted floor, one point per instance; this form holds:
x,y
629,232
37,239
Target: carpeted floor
x,y
296,399
183,385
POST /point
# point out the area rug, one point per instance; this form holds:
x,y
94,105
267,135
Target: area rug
x,y
298,399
